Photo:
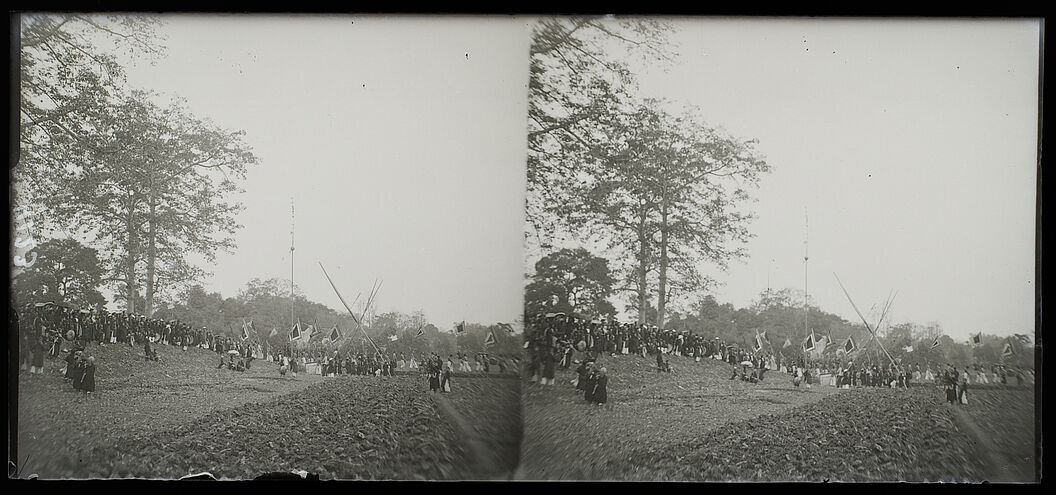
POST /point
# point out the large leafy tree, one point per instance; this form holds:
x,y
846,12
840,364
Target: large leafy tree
x,y
670,191
65,271
579,85
665,191
570,280
153,183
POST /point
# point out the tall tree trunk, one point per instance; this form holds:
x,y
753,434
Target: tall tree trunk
x,y
661,300
130,266
148,306
643,269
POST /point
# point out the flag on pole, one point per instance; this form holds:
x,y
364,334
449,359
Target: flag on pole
x,y
461,328
822,344
335,334
788,342
977,338
759,340
507,327
309,333
850,346
295,332
810,343
1009,350
245,331
936,343
490,340
420,333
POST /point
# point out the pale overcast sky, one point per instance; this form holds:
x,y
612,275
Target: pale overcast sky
x,y
911,145
400,140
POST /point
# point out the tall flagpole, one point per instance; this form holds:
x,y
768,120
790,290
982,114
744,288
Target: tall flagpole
x,y
806,258
292,219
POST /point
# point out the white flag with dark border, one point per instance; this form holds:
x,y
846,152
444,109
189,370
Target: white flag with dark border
x,y
490,339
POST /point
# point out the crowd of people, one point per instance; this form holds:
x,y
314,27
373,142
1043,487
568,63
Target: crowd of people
x,y
49,329
555,340
333,362
52,328
79,370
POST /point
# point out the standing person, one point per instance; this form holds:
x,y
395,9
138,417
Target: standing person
x,y
88,377
601,384
445,379
949,385
71,363
962,386
590,386
433,366
583,371
78,371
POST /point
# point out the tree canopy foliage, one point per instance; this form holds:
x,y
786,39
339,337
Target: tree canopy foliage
x,y
664,189
150,183
570,281
267,305
65,271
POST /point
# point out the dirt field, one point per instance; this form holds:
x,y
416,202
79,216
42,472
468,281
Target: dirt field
x,y
183,416
695,424
565,438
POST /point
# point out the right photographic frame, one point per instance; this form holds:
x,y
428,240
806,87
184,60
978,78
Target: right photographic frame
x,y
782,249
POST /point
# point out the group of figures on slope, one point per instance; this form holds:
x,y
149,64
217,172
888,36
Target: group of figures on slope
x,y
439,373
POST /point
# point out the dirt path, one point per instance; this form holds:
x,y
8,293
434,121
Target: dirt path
x,y
1001,468
484,461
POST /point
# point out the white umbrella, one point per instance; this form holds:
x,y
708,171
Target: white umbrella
x,y
232,351
747,363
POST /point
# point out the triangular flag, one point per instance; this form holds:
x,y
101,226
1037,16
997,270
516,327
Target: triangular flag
x,y
490,340
821,345
420,333
809,344
1009,350
274,332
295,332
788,342
936,343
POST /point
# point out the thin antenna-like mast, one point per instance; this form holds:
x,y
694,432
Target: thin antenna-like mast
x,y
806,258
292,218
